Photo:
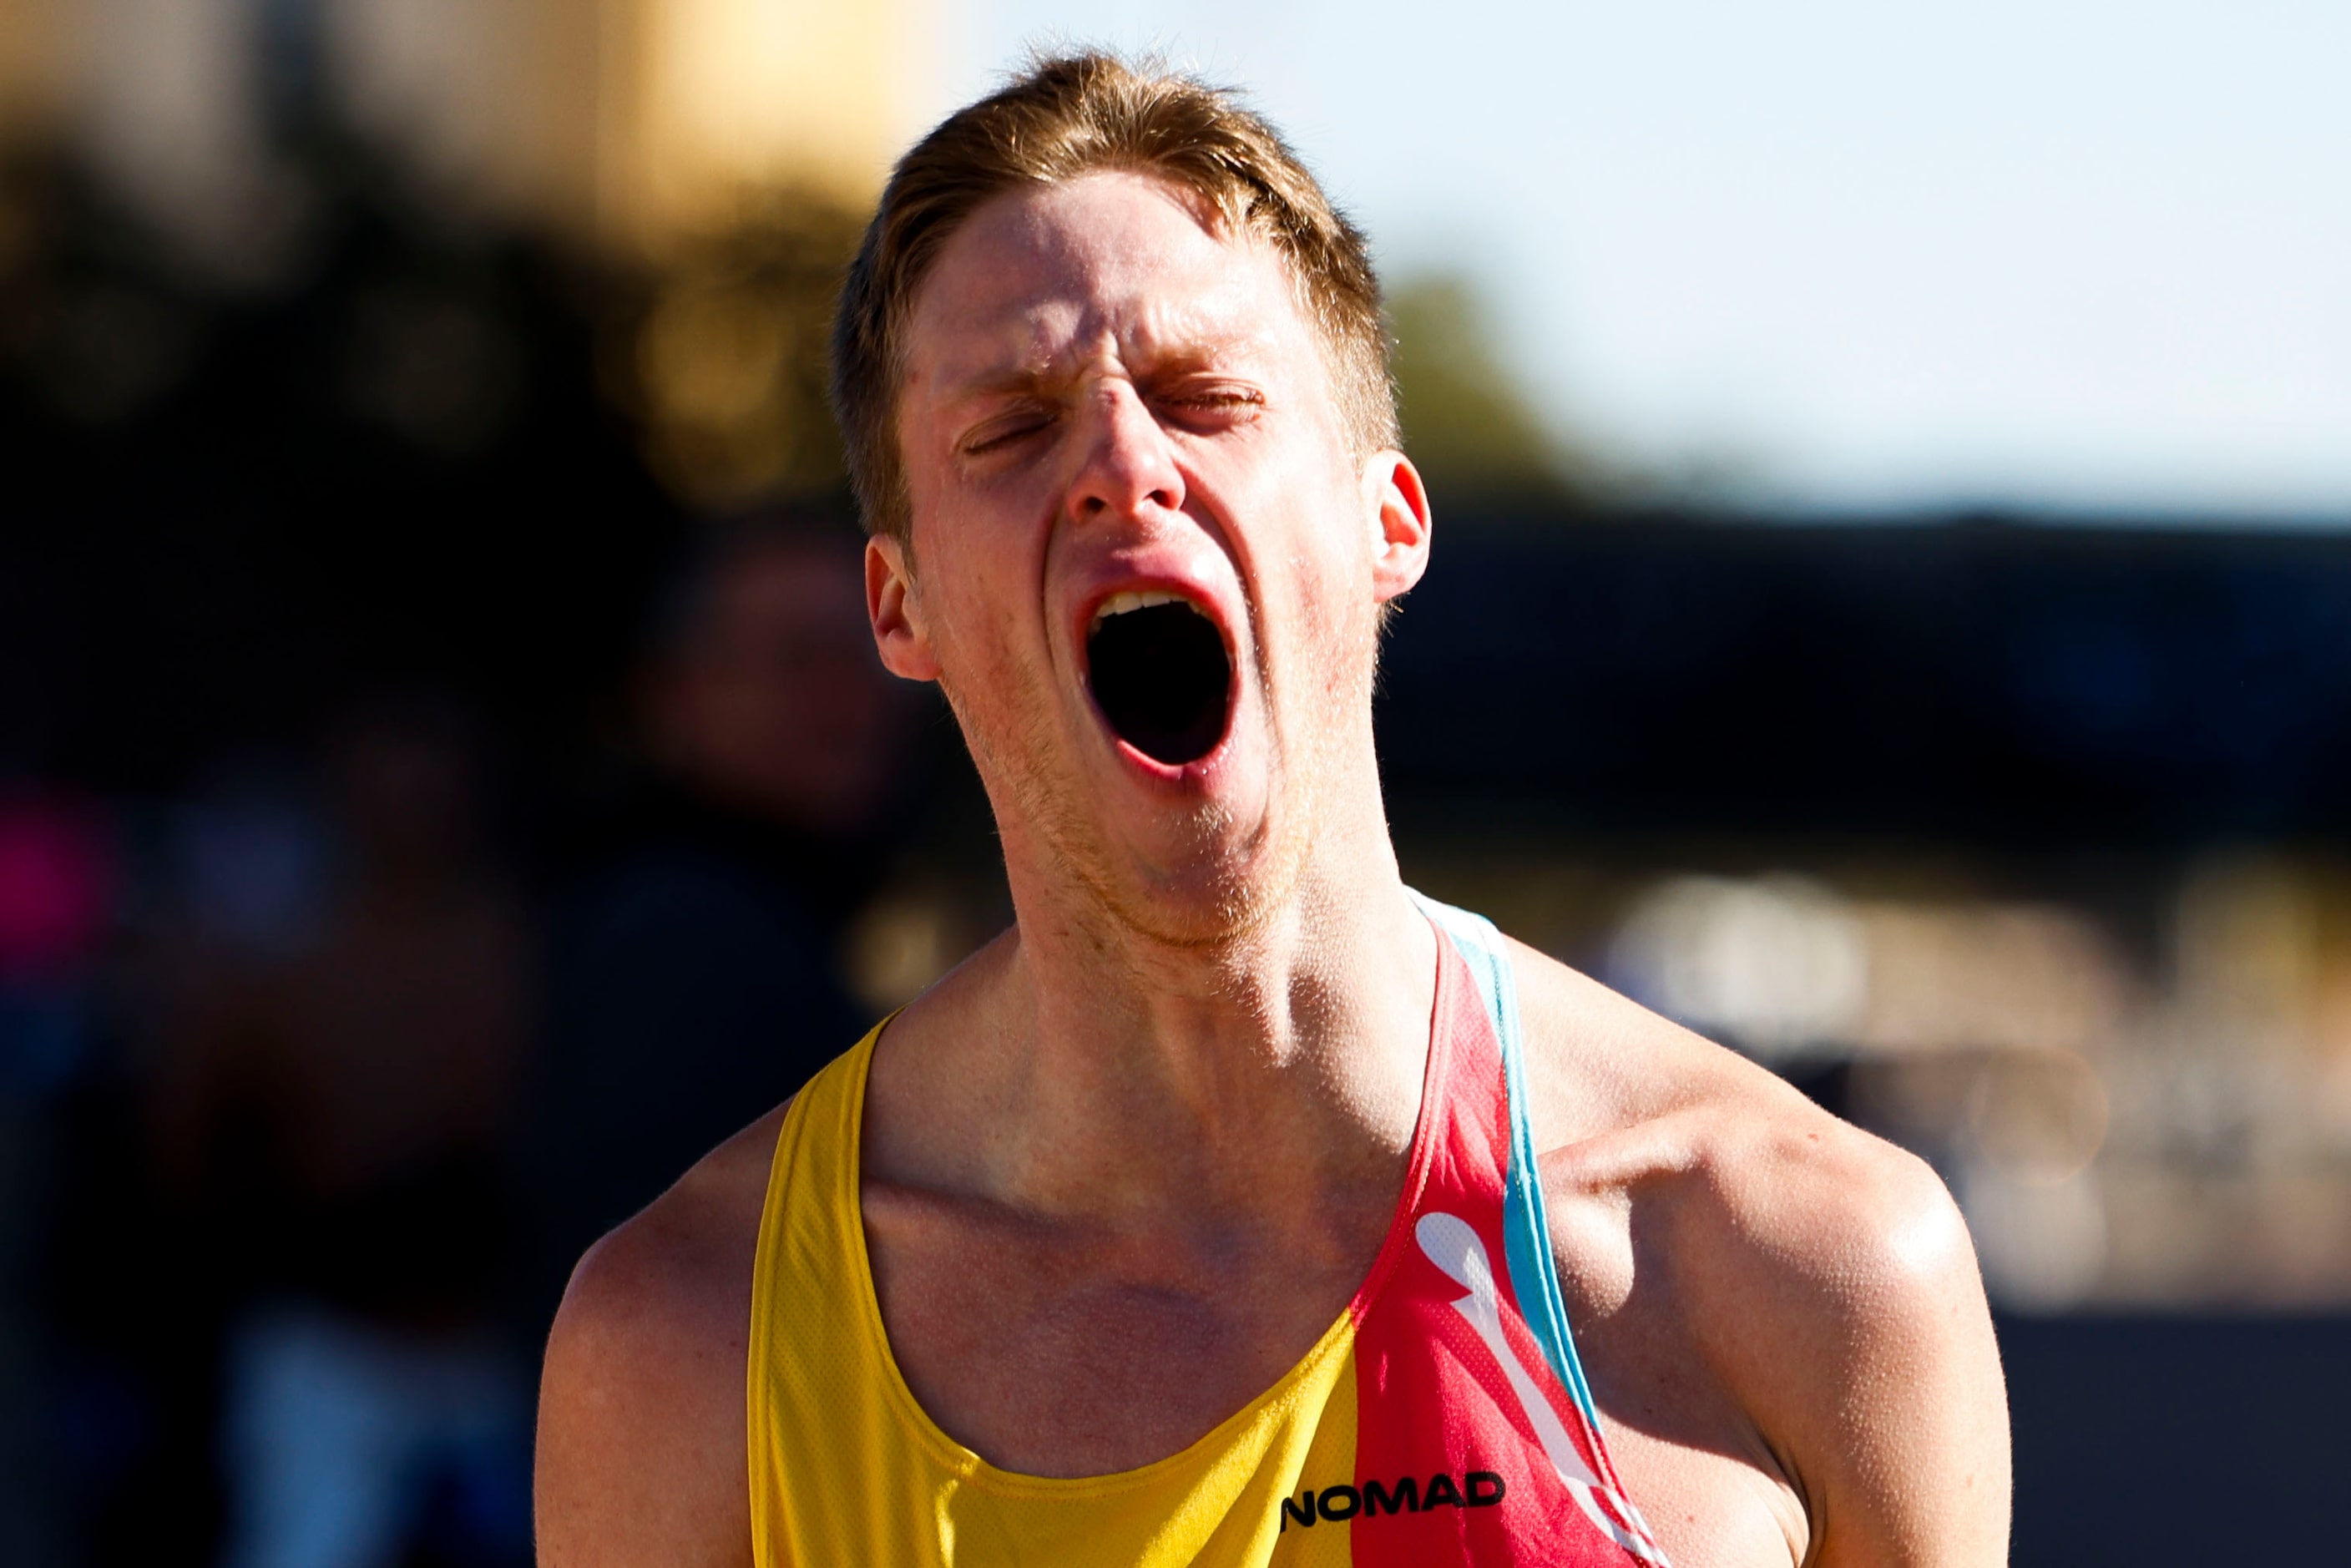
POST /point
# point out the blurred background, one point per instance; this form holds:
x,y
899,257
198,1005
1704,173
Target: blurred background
x,y
1895,486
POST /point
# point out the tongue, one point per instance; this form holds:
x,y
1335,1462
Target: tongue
x,y
1161,678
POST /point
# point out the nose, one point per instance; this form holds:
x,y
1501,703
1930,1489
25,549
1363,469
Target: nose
x,y
1130,464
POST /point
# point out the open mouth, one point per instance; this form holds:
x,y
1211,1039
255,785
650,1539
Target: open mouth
x,y
1160,675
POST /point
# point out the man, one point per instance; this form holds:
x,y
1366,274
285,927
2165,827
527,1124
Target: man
x,y
1234,1207
694,976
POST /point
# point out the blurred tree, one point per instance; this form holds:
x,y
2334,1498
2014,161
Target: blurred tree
x,y
1469,422
229,504
727,363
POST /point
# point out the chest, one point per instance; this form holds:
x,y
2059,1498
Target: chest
x,y
1059,1353
1689,1455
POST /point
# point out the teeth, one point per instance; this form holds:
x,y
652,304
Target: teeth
x,y
1135,599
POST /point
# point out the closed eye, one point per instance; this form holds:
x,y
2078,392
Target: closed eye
x,y
1215,407
1006,430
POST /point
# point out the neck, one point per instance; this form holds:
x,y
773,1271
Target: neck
x,y
1126,1077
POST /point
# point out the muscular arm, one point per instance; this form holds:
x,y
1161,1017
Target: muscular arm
x,y
1784,1311
1848,1318
642,1460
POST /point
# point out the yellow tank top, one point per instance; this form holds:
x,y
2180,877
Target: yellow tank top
x,y
1427,1426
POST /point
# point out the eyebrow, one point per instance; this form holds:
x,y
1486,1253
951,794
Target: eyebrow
x,y
1024,376
1194,353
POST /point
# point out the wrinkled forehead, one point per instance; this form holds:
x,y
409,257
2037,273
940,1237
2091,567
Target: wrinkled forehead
x,y
1036,280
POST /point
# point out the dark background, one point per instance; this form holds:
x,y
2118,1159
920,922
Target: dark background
x,y
2177,1439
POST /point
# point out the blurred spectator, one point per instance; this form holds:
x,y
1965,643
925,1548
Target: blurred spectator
x,y
56,887
339,1079
696,981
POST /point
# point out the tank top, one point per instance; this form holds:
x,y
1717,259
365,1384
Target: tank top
x,y
1442,1419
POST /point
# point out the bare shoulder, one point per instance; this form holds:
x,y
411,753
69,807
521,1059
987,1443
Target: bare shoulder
x,y
1822,1277
641,1452
1633,1099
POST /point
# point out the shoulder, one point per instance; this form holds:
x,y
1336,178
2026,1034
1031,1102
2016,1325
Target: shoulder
x,y
641,1453
1748,1173
1823,1275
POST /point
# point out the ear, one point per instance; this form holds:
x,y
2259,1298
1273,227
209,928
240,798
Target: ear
x,y
1398,503
895,609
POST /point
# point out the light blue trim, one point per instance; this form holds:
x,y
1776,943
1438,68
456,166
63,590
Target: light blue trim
x,y
1526,1232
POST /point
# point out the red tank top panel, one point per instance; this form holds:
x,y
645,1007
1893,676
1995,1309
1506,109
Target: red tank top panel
x,y
1476,1441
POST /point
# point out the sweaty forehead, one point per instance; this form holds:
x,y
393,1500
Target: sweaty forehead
x,y
1034,282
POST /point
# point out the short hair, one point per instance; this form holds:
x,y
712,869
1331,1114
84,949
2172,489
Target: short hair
x,y
1077,114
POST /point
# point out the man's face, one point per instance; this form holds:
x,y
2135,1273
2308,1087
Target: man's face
x,y
1146,566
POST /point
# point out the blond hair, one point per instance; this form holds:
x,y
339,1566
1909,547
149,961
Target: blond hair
x,y
1065,117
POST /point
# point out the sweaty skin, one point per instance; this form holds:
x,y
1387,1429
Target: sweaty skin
x,y
1126,1164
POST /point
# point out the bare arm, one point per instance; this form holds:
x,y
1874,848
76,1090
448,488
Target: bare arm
x,y
1850,1321
1813,1311
642,1460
